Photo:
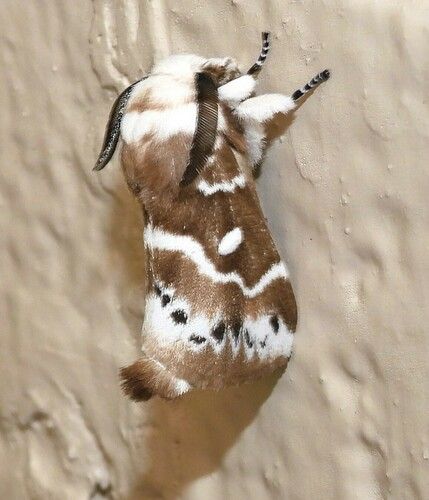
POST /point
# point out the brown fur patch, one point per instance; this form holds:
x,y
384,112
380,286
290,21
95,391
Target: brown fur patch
x,y
144,103
207,369
154,168
276,126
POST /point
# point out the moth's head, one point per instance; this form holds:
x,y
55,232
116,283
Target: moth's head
x,y
220,69
205,76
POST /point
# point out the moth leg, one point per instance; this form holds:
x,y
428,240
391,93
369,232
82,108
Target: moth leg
x,y
264,118
263,108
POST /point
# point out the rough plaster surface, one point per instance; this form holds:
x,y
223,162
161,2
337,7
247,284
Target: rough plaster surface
x,y
346,194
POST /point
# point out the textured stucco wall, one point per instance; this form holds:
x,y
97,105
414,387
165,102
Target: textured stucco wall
x,y
346,196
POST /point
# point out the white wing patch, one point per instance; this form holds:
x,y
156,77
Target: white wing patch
x,y
171,322
159,239
162,123
230,242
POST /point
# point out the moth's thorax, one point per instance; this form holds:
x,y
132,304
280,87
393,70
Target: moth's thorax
x,y
157,131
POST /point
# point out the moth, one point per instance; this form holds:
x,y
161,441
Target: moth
x,y
219,307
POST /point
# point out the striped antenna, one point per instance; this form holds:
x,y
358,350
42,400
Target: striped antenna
x,y
256,68
313,83
113,129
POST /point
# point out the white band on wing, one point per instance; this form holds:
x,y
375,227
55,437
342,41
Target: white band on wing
x,y
158,239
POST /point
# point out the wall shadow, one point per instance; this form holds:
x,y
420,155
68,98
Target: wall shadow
x,y
190,436
126,254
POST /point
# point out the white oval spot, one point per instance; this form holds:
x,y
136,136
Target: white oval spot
x,y
230,242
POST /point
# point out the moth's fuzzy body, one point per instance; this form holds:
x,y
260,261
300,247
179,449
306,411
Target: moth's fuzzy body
x,y
220,308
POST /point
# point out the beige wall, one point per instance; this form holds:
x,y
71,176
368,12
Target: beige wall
x,y
346,193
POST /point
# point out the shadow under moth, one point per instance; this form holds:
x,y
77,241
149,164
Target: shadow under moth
x,y
219,309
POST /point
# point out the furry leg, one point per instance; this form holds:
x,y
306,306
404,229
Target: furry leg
x,y
263,107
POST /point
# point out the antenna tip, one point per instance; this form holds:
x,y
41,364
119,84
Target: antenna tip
x,y
98,166
326,74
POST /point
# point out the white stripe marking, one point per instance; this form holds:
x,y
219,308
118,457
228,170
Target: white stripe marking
x,y
230,242
157,239
225,186
163,123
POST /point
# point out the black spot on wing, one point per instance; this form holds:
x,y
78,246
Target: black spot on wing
x,y
165,299
274,322
236,329
197,339
219,332
247,338
179,316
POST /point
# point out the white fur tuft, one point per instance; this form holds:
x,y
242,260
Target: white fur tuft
x,y
237,90
264,107
182,386
254,136
162,123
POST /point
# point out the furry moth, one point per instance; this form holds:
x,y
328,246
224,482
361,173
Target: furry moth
x,y
220,309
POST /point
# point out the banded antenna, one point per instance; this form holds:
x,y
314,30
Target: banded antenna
x,y
256,68
312,84
113,128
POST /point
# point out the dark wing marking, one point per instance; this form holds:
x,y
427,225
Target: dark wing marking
x,y
113,127
205,131
256,68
